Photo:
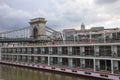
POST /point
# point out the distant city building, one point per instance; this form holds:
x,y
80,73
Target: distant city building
x,y
95,33
82,27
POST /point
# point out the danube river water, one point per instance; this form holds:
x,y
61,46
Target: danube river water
x,y
8,72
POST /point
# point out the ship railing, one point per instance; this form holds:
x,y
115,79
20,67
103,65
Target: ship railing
x,y
84,41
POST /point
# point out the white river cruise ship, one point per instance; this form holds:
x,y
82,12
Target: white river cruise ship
x,y
91,52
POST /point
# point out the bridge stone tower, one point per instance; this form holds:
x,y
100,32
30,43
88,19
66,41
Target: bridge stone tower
x,y
37,28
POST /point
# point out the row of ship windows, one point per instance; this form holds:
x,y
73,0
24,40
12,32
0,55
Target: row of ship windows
x,y
76,62
90,50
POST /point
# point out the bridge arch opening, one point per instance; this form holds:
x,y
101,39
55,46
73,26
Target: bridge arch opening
x,y
35,33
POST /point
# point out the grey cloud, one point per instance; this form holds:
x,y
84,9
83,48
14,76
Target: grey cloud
x,y
11,18
61,14
105,1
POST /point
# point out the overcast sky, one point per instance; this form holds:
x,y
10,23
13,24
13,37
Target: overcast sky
x,y
60,13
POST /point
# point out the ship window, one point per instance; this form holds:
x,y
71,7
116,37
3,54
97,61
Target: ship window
x,y
39,50
54,50
50,50
64,50
42,50
18,50
35,50
76,62
55,60
6,50
76,50
9,50
89,50
14,50
89,63
3,50
59,50
105,65
105,50
29,50
65,61
118,51
46,50
118,35
23,50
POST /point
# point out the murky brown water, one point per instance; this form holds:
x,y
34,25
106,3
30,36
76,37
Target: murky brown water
x,y
17,73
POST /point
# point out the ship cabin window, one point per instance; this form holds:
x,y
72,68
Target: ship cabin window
x,y
46,60
118,51
6,50
75,50
23,58
35,49
14,50
39,59
105,51
105,65
29,50
18,50
55,60
9,50
35,59
116,36
7,57
14,58
59,50
3,50
24,50
50,50
42,50
46,50
65,61
118,69
64,50
54,50
89,63
20,58
89,51
30,58
26,58
76,62
10,57
3,57
39,50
